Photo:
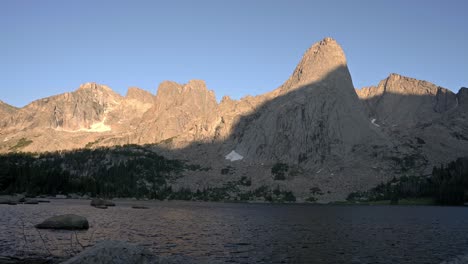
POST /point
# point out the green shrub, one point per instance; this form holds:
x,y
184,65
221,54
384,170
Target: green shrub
x,y
279,171
23,142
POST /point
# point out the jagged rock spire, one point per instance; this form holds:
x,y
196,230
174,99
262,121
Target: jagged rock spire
x,y
318,62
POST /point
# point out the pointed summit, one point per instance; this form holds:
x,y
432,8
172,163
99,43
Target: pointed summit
x,y
6,110
320,60
403,101
138,94
93,86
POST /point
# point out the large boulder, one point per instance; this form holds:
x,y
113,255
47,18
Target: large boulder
x,y
68,222
139,207
12,199
96,202
31,201
114,252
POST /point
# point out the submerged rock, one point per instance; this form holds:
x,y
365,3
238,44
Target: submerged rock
x,y
101,202
74,196
31,201
12,199
68,222
114,252
139,207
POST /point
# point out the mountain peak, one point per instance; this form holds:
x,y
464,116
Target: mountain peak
x,y
318,62
462,96
197,84
400,84
328,40
135,92
6,109
93,86
139,94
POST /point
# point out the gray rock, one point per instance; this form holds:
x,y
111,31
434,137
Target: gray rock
x,y
74,196
404,101
139,207
12,199
68,222
101,202
114,252
31,201
119,252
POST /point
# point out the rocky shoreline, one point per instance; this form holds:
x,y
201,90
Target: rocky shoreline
x,y
103,252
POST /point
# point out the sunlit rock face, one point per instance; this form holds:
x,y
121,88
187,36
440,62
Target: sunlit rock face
x,y
6,110
181,113
84,109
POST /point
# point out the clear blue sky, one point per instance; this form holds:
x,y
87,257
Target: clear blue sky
x,y
238,47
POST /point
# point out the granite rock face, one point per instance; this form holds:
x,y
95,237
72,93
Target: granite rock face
x,y
315,118
181,113
404,101
6,110
67,222
83,110
429,119
462,97
332,136
114,252
120,252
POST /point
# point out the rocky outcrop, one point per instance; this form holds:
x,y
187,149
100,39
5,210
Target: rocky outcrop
x,y
181,113
114,252
12,199
420,115
96,202
83,110
403,101
332,136
68,222
314,118
320,60
127,115
462,97
139,207
6,110
140,95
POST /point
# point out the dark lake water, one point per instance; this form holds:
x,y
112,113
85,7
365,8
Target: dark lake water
x,y
248,233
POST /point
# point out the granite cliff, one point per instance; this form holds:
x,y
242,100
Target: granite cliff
x,y
323,134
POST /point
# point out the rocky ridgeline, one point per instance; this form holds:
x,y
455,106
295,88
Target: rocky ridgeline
x,y
331,136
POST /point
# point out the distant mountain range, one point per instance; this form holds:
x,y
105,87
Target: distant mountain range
x,y
323,133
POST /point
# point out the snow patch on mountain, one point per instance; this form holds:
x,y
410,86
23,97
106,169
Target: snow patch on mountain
x,y
234,156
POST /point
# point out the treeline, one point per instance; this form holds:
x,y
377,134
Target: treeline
x,y
130,171
447,185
